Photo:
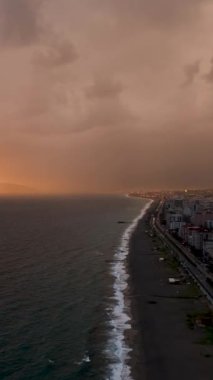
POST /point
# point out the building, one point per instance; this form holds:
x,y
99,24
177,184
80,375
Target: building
x,y
173,220
203,219
195,238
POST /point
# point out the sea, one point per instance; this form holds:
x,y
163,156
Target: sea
x,y
64,312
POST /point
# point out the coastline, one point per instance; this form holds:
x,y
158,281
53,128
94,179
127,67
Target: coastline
x,y
121,318
163,346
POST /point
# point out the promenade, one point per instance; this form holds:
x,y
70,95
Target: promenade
x,y
197,270
164,347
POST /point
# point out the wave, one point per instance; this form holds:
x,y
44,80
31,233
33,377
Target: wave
x,y
117,347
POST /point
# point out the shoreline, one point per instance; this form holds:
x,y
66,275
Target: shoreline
x,y
121,318
163,347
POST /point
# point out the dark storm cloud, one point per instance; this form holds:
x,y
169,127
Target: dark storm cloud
x,y
55,54
191,72
19,22
112,116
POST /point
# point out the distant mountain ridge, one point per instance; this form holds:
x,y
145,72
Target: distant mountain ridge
x,y
15,189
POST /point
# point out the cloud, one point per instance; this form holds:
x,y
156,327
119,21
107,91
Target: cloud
x,y
106,108
104,88
48,114
209,77
20,22
191,71
95,102
49,89
55,54
161,14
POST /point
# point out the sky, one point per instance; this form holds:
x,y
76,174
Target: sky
x,y
106,95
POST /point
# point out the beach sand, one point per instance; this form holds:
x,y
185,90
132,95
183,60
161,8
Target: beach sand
x,y
164,347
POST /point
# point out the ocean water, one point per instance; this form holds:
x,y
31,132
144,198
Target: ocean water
x,y
63,278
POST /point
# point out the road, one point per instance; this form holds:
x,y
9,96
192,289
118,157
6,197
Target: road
x,y
188,261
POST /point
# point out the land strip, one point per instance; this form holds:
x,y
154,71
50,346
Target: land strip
x,y
172,326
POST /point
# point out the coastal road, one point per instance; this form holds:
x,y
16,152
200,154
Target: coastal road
x,y
164,347
202,278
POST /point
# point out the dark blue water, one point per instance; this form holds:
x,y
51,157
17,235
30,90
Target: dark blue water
x,y
56,286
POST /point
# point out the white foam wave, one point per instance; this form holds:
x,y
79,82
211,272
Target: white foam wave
x,y
118,349
85,359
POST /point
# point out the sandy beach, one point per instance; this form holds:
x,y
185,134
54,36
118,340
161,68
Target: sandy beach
x,y
164,347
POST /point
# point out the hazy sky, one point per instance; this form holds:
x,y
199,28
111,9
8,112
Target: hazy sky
x,y
106,95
